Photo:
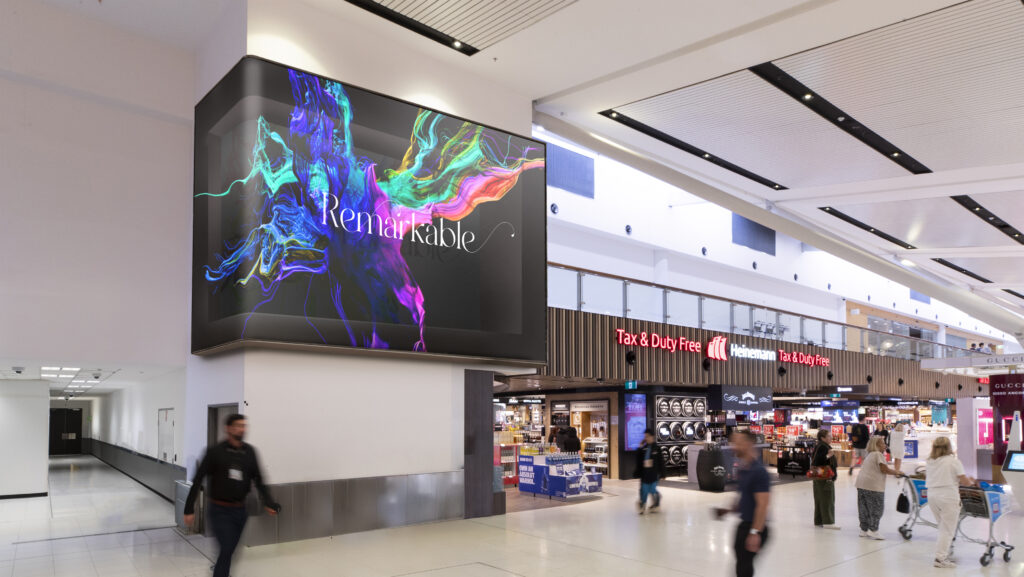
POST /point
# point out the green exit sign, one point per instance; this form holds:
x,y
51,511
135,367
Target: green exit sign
x,y
950,400
630,385
835,395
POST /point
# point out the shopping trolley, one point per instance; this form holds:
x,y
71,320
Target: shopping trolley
x,y
917,494
985,502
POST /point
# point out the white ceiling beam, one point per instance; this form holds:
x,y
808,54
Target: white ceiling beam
x,y
971,181
998,286
963,252
653,165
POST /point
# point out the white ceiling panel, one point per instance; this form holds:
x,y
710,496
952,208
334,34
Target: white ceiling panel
x,y
478,23
946,87
928,223
750,123
1008,206
997,270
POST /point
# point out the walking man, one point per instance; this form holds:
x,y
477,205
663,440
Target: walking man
x,y
859,437
752,504
233,468
650,467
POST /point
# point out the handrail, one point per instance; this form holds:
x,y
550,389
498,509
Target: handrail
x,y
749,304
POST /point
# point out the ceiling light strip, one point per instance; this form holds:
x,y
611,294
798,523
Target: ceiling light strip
x,y
989,217
866,227
778,78
415,25
687,147
962,270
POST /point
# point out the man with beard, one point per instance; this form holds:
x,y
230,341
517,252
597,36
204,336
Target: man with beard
x,y
233,469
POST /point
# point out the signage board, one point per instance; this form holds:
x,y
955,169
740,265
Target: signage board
x,y
910,448
589,406
631,385
847,389
736,398
325,214
717,348
636,420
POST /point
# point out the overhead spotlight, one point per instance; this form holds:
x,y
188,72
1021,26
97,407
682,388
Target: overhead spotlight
x,y
828,208
872,230
907,262
991,218
895,155
977,208
615,115
706,155
457,44
777,186
808,96
841,118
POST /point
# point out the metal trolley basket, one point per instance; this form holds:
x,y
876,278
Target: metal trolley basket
x,y
917,494
985,502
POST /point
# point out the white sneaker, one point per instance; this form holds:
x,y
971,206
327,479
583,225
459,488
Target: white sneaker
x,y
945,564
863,533
831,527
874,535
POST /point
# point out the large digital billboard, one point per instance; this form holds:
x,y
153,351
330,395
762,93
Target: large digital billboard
x,y
325,214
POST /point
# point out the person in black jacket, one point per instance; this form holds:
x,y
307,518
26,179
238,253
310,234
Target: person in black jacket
x,y
824,489
572,441
233,469
650,468
859,437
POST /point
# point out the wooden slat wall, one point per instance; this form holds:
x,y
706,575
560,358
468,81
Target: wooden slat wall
x,y
583,345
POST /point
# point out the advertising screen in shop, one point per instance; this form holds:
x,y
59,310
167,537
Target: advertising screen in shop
x,y
636,420
734,398
325,214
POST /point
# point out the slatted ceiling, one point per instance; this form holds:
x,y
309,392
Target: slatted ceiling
x,y
928,223
947,87
750,123
477,23
581,346
996,269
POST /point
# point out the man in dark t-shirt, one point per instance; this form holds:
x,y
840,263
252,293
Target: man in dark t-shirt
x,y
752,503
859,437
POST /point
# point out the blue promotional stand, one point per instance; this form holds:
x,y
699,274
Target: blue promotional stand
x,y
562,478
910,448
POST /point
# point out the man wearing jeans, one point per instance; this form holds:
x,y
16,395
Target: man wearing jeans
x,y
650,467
233,468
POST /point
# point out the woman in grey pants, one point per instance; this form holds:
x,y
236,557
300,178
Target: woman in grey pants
x,y
871,488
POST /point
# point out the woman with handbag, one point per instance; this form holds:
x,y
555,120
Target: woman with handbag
x,y
823,473
871,488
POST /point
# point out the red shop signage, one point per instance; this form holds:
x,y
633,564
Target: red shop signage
x,y
717,348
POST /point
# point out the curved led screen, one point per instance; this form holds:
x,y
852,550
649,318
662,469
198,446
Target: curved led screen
x,y
325,214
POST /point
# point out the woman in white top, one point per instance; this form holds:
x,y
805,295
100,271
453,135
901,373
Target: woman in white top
x,y
897,446
871,488
945,474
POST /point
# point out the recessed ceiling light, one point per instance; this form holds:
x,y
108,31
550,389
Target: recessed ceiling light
x,y
895,154
457,44
48,376
706,155
841,118
76,369
78,381
991,218
977,208
1016,235
776,186
828,208
50,368
907,262
872,230
808,96
615,114
67,376
92,381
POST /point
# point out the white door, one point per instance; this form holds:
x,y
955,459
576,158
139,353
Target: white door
x,y
165,435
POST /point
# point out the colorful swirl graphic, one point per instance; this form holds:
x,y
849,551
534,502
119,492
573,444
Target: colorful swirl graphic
x,y
298,178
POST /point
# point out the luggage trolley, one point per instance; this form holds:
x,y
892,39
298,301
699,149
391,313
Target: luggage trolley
x,y
917,493
985,502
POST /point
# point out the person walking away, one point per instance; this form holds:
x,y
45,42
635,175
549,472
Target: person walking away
x,y
871,488
572,441
650,468
233,468
824,489
944,475
897,447
859,436
752,504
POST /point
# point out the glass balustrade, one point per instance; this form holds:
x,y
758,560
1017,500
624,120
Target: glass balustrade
x,y
604,294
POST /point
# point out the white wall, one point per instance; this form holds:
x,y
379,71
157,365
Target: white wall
x,y
353,416
128,417
214,380
96,161
25,430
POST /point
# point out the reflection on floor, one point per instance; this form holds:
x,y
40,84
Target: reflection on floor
x,y
96,521
600,538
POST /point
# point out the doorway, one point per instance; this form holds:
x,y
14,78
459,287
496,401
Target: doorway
x,y
65,431
165,436
217,414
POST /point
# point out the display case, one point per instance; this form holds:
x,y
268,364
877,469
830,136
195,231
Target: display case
x,y
507,457
679,422
595,454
